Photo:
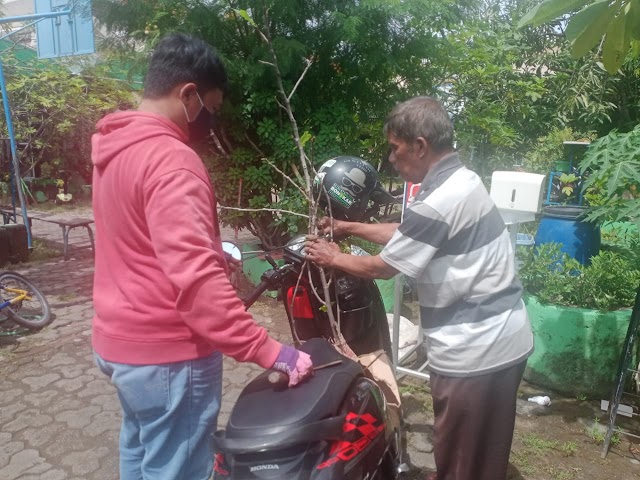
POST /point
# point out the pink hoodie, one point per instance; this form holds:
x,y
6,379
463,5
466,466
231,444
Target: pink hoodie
x,y
161,293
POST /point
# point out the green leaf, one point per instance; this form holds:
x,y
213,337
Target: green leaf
x,y
621,172
615,44
586,28
246,16
584,18
306,136
549,10
633,19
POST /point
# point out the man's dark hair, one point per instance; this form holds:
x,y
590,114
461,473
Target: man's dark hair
x,y
180,58
421,117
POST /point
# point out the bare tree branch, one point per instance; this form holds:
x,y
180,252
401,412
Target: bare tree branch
x,y
287,105
309,62
288,178
307,166
276,210
257,149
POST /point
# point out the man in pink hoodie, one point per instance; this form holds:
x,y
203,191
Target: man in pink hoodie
x,y
165,310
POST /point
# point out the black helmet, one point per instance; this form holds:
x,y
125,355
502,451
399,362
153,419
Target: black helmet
x,y
349,183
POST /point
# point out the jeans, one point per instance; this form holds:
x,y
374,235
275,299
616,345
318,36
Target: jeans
x,y
169,414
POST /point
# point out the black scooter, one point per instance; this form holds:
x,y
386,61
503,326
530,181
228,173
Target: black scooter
x,y
340,424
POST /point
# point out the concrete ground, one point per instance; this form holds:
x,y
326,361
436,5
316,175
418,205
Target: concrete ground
x,y
60,417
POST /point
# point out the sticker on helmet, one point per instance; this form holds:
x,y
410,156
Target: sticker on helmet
x,y
342,197
327,164
354,181
323,171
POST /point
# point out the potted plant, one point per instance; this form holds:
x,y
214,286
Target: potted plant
x,y
579,315
565,188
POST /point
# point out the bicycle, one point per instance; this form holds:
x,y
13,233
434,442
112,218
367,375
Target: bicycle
x,y
22,303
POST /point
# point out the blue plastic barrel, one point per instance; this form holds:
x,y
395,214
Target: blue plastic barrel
x,y
564,225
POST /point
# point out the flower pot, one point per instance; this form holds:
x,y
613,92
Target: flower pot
x,y
576,350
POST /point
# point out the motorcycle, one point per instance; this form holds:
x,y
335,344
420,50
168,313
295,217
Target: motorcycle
x,y
344,422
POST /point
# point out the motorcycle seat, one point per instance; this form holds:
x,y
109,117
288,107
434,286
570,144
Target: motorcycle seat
x,y
263,408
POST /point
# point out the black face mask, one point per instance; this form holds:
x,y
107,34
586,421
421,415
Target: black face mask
x,y
200,127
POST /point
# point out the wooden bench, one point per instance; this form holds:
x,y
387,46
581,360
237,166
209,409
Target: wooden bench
x,y
66,224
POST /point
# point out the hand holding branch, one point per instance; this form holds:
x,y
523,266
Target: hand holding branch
x,y
340,227
321,252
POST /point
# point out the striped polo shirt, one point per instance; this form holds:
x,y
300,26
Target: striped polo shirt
x,y
453,241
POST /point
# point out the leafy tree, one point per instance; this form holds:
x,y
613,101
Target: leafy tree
x,y
365,55
54,113
615,25
507,88
512,87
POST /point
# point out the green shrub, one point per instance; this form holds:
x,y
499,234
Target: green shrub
x,y
613,168
609,283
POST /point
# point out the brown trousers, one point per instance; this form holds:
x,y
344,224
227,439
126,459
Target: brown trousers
x,y
474,422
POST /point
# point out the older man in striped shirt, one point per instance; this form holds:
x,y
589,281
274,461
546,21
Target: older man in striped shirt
x,y
453,241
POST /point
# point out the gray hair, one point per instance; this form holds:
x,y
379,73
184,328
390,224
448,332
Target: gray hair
x,y
421,117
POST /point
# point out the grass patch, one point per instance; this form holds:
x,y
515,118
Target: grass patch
x,y
569,449
42,251
560,473
597,434
53,207
528,458
411,389
521,460
428,403
538,444
420,394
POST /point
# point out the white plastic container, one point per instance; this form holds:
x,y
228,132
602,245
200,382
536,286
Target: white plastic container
x,y
540,400
518,195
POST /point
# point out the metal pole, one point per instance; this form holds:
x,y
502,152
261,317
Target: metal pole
x,y
15,171
24,27
35,16
397,301
14,154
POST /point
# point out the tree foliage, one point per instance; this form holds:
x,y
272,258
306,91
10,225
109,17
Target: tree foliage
x,y
615,25
365,55
509,90
613,165
54,112
510,87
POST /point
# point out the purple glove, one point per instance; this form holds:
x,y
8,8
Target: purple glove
x,y
296,364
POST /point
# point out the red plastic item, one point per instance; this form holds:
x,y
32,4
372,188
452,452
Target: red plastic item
x,y
300,305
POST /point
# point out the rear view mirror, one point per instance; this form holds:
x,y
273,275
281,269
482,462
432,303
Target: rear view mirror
x,y
232,250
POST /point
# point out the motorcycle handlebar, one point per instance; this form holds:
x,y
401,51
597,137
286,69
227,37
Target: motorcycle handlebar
x,y
255,294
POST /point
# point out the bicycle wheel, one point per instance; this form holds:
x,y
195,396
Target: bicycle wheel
x,y
32,312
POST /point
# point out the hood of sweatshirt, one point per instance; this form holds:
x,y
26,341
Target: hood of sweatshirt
x,y
120,130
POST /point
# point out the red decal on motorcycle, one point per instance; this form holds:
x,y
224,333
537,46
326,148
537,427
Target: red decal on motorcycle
x,y
344,450
218,465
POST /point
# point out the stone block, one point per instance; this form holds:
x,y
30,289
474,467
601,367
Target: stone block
x,y
14,247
